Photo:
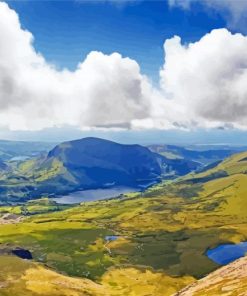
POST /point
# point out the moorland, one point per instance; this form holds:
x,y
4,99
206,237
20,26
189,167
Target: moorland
x,y
149,242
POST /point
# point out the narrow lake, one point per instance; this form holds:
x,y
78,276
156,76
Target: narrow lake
x,y
93,195
227,253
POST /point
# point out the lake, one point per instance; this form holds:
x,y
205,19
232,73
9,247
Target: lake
x,y
93,195
22,253
227,253
111,238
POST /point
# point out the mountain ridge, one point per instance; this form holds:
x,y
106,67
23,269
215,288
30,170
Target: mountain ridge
x,y
90,163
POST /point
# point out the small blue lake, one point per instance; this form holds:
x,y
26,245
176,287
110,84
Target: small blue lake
x,y
227,253
110,238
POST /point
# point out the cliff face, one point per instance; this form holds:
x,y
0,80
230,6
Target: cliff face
x,y
230,280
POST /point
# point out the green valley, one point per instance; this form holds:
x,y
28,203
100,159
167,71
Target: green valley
x,y
162,232
123,160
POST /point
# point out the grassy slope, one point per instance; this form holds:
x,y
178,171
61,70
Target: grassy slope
x,y
236,164
163,234
19,277
16,183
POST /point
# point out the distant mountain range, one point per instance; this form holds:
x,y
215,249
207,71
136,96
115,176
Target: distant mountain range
x,y
12,149
204,154
235,165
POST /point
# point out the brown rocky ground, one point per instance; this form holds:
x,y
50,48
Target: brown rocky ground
x,y
230,280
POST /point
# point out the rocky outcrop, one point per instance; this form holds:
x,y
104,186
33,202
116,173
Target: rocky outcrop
x,y
230,280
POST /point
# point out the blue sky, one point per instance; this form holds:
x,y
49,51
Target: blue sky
x,y
66,32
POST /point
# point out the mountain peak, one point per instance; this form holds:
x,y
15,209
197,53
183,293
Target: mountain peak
x,y
94,162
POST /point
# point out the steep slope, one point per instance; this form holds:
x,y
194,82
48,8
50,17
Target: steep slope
x,y
230,280
130,160
19,277
95,163
90,163
236,164
22,277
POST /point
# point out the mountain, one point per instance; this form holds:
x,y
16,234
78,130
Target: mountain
x,y
90,163
234,165
159,238
130,163
95,163
219,191
204,154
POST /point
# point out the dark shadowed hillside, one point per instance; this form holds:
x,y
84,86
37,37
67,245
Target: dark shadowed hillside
x,y
96,162
91,163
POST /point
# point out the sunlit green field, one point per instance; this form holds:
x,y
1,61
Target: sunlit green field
x,y
163,232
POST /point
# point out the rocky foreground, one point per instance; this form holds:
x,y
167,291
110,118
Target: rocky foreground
x,y
230,280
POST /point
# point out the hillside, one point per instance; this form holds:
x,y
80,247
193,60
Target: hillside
x,y
89,163
204,154
94,162
151,242
229,280
19,277
236,164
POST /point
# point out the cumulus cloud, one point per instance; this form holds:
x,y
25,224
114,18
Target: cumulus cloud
x,y
208,78
202,84
234,11
105,90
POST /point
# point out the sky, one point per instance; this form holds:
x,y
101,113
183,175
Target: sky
x,y
133,71
66,31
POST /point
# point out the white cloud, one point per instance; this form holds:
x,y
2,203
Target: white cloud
x,y
105,90
234,11
203,84
208,78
